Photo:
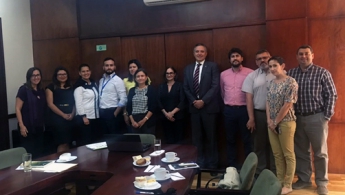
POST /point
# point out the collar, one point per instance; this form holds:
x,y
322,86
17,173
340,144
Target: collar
x,y
239,70
106,75
307,69
202,63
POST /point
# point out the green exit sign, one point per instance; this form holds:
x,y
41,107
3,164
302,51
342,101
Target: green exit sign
x,y
101,47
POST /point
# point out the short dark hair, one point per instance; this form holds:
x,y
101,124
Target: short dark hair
x,y
135,74
83,65
305,47
262,51
174,70
279,59
235,50
200,44
108,58
136,62
56,82
29,75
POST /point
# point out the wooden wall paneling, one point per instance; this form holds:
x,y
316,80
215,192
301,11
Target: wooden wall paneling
x,y
329,49
94,58
49,54
330,8
179,48
335,143
149,50
281,9
53,19
117,18
284,37
249,39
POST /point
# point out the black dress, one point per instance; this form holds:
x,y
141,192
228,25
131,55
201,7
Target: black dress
x,y
64,100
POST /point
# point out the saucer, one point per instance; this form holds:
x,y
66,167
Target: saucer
x,y
144,165
167,176
70,159
153,186
166,161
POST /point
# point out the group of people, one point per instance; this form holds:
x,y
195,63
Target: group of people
x,y
275,111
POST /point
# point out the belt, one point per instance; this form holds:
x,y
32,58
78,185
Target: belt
x,y
260,110
309,113
242,106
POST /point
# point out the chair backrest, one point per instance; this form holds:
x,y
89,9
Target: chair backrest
x,y
11,157
248,171
145,138
267,183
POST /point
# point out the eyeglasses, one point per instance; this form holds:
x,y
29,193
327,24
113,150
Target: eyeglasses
x,y
262,58
35,75
61,75
167,73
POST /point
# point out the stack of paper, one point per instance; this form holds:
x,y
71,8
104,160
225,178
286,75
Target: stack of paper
x,y
97,146
183,166
51,167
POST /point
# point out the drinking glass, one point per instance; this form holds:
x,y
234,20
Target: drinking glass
x,y
26,158
157,146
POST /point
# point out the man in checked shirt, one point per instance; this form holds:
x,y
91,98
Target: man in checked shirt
x,y
314,108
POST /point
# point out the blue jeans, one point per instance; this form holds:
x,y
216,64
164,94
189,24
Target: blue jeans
x,y
236,118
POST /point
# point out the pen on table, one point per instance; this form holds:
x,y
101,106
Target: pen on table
x,y
141,192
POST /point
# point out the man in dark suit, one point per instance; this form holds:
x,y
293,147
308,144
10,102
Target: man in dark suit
x,y
201,85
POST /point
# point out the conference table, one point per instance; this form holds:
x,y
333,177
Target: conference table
x,y
111,172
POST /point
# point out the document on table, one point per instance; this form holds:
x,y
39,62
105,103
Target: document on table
x,y
52,167
97,146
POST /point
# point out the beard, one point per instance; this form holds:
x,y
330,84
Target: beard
x,y
109,72
238,64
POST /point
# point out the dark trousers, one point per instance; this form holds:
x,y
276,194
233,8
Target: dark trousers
x,y
89,133
204,138
33,143
236,118
110,124
173,131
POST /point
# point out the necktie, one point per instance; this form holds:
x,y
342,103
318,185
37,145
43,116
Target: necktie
x,y
196,80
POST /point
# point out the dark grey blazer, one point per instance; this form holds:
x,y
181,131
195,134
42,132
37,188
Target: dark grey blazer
x,y
208,90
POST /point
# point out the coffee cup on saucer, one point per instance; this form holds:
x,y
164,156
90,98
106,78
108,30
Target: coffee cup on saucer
x,y
161,173
170,156
65,156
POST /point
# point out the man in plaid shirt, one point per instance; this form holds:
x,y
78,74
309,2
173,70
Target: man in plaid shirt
x,y
314,108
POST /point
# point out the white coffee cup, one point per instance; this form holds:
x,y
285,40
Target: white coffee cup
x,y
170,156
161,173
65,156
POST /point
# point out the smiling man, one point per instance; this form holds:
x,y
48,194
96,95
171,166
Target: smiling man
x,y
235,109
314,108
201,85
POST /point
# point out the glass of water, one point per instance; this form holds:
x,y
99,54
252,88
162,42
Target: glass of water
x,y
157,146
26,158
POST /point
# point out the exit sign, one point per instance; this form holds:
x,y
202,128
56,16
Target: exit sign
x,y
101,47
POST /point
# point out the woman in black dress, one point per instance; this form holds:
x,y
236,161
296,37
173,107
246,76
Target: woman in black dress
x,y
61,101
30,107
171,101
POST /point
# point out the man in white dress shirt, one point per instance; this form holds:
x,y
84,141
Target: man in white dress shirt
x,y
112,98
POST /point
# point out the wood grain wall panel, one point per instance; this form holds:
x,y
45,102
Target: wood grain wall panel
x,y
330,8
53,19
179,48
284,37
117,18
49,54
329,49
249,39
335,143
94,58
282,9
149,50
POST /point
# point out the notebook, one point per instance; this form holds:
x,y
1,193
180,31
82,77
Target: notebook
x,y
125,143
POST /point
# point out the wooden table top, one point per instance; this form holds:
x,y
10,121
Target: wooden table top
x,y
118,164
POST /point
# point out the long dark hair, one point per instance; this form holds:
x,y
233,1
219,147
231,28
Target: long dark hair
x,y
57,82
136,62
29,75
135,74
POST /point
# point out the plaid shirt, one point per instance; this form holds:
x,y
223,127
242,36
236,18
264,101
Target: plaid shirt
x,y
316,90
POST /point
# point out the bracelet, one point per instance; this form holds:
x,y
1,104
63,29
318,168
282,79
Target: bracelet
x,y
147,118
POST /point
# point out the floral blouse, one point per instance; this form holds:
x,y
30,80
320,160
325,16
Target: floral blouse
x,y
278,94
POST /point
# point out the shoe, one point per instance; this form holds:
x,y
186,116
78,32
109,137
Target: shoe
x,y
286,190
322,190
300,184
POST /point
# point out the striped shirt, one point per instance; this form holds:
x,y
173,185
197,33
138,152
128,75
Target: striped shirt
x,y
316,90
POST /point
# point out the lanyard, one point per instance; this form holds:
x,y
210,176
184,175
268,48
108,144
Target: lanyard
x,y
104,84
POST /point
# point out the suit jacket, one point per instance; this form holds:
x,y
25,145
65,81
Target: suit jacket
x,y
208,88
